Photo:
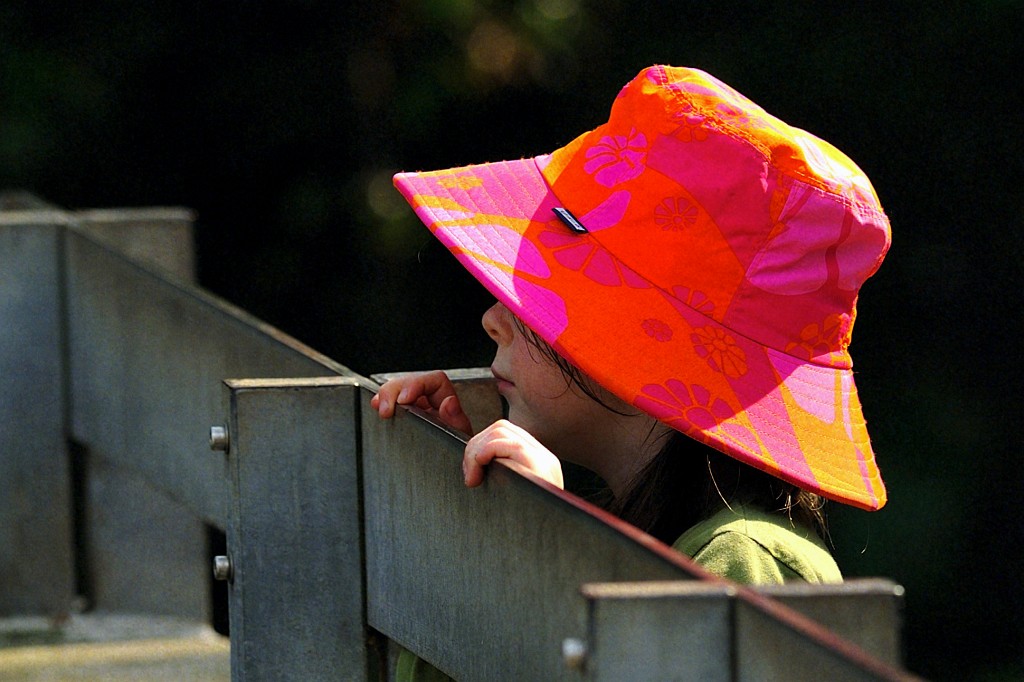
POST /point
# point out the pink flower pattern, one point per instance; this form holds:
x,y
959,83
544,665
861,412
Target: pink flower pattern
x,y
690,128
590,258
683,407
696,412
819,340
697,300
617,158
674,214
586,255
657,329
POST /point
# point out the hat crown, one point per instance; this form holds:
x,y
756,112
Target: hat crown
x,y
696,188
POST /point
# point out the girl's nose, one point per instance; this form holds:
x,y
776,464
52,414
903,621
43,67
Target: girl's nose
x,y
497,322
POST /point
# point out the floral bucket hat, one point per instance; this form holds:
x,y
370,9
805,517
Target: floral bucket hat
x,y
697,257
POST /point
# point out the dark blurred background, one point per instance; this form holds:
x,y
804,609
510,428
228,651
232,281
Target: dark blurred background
x,y
281,124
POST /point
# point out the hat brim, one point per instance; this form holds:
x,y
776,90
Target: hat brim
x,y
658,350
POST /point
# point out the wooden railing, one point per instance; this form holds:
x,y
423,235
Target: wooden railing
x,y
344,532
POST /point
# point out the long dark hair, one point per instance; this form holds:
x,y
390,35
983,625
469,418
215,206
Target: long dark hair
x,y
688,481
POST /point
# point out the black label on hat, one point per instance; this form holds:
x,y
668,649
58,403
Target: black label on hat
x,y
570,220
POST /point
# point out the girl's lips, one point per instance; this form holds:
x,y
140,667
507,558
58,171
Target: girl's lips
x,y
501,380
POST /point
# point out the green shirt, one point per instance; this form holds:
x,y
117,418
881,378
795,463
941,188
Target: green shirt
x,y
754,547
745,545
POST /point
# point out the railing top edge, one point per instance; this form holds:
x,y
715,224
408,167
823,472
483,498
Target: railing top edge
x,y
34,216
853,586
297,382
135,214
654,589
460,374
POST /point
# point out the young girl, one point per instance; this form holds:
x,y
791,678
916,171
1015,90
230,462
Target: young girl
x,y
676,293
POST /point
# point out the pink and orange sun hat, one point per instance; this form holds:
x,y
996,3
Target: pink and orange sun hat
x,y
697,257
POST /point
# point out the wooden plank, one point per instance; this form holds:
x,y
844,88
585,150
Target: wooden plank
x,y
715,630
866,612
169,548
660,631
496,570
36,559
485,583
157,237
295,540
774,642
147,357
145,553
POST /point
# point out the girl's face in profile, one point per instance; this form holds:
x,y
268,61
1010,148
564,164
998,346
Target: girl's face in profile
x,y
542,400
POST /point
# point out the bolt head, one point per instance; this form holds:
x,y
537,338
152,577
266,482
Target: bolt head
x,y
222,568
574,653
219,440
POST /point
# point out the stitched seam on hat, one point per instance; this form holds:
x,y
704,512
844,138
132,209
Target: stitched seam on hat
x,y
720,325
596,239
823,365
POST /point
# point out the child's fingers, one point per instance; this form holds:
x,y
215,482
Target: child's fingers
x,y
451,414
408,389
434,386
386,399
432,392
480,450
473,469
507,441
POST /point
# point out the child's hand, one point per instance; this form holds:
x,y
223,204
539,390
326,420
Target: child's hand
x,y
503,439
431,392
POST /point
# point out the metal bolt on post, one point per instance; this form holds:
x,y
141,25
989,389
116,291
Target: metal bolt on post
x,y
222,568
574,653
219,440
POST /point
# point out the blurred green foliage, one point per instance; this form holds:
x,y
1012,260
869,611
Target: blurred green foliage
x,y
282,122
